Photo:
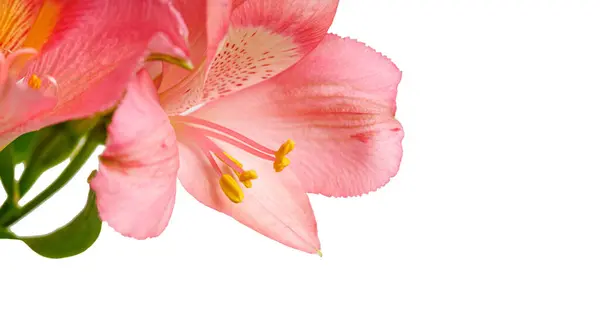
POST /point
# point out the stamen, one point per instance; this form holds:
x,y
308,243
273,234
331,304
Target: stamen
x,y
279,165
34,82
209,157
220,128
281,161
236,168
231,188
213,163
207,146
237,144
238,163
246,176
206,131
218,152
285,148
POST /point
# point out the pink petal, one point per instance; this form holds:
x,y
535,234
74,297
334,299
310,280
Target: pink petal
x,y
264,38
96,47
275,206
338,104
135,184
208,21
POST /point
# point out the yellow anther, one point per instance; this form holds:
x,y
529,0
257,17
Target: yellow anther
x,y
35,82
286,148
248,175
231,188
247,183
280,164
280,160
319,253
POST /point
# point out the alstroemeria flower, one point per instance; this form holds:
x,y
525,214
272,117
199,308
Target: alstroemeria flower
x,y
272,81
87,52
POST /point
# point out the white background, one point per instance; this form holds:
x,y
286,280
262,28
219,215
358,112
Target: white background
x,y
496,206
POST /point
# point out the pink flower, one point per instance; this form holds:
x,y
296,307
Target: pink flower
x,y
88,52
272,81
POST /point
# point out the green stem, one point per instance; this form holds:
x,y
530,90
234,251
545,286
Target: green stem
x,y
72,168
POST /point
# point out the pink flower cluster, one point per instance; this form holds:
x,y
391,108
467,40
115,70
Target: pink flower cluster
x,y
271,107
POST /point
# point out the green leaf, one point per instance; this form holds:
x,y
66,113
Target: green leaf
x,y
70,133
7,175
24,144
54,145
57,147
7,171
73,238
6,234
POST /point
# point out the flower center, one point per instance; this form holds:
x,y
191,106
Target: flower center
x,y
207,132
8,68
